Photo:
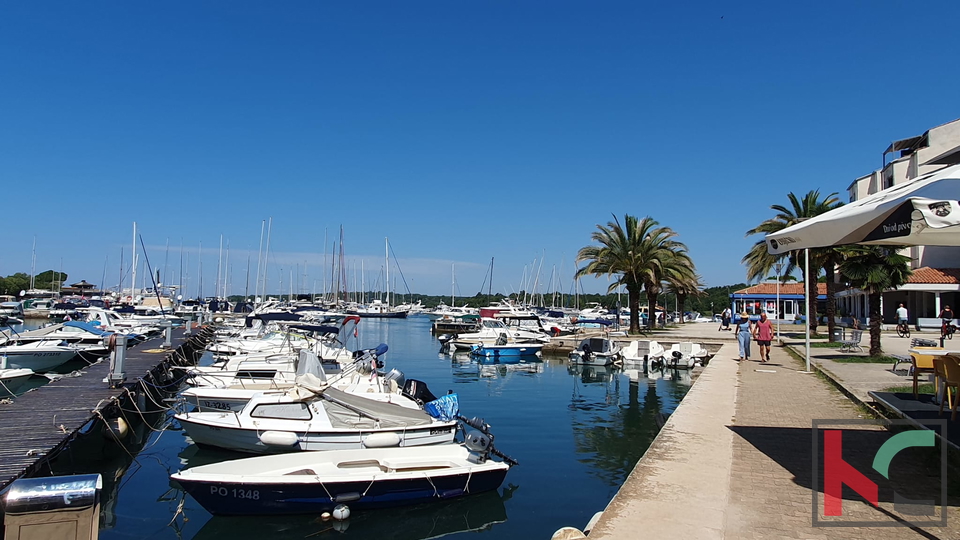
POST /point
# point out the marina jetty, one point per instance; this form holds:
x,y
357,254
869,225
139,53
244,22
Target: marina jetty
x,y
734,459
40,423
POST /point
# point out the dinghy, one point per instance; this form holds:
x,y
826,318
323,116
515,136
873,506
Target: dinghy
x,y
596,351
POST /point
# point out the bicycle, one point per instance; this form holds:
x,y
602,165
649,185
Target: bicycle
x,y
947,330
903,329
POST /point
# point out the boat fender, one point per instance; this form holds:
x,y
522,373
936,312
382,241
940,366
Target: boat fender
x,y
116,429
279,438
341,512
347,497
450,493
381,440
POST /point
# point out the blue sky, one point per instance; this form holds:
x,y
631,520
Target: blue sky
x,y
460,130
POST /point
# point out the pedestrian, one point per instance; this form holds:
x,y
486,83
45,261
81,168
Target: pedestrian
x,y
744,333
724,320
763,333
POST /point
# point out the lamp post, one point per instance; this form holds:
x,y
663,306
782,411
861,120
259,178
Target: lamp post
x,y
778,266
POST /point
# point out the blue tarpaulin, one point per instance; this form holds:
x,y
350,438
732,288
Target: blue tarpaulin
x,y
444,408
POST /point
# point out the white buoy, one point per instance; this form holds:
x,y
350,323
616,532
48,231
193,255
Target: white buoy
x,y
325,516
341,512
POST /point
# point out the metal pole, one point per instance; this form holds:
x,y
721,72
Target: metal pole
x,y
806,287
779,267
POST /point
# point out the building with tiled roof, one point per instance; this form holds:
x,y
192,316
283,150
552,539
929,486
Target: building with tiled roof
x,y
764,297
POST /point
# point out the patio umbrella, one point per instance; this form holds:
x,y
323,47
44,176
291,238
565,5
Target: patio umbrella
x,y
922,212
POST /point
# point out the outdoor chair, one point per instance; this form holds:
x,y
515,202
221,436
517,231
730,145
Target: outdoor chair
x,y
950,366
923,363
849,345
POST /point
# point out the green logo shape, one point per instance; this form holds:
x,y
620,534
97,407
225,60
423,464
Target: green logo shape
x,y
906,439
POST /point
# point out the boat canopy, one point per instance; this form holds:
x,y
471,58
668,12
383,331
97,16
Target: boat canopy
x,y
349,411
88,326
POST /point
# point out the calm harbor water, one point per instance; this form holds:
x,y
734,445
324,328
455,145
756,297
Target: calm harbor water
x,y
576,431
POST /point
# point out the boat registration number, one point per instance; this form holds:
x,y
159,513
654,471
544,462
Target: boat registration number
x,y
241,493
440,431
219,405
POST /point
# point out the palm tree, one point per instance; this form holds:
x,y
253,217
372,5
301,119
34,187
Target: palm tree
x,y
634,253
759,262
690,285
874,269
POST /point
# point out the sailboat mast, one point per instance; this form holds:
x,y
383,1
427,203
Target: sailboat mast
x,y
33,264
133,277
386,284
490,286
453,284
266,258
256,284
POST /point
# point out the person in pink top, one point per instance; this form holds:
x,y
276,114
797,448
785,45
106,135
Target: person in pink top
x,y
763,333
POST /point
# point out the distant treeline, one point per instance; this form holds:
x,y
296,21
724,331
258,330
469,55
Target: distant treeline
x,y
713,299
50,280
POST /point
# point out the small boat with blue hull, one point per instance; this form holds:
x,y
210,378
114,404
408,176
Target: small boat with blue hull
x,y
316,482
510,350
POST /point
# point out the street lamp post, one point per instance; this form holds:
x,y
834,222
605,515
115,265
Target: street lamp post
x,y
778,266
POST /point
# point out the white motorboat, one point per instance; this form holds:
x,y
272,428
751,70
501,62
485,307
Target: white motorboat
x,y
490,332
230,391
12,380
596,351
39,356
316,482
641,350
313,417
685,355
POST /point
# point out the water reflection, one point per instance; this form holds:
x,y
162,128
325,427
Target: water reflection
x,y
473,513
610,436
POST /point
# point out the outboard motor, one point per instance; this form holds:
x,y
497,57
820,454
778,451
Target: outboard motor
x,y
477,443
417,391
396,375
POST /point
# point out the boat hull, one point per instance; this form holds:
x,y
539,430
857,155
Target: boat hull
x,y
506,351
11,380
249,441
38,361
244,498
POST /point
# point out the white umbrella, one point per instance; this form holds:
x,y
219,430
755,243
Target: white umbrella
x,y
922,212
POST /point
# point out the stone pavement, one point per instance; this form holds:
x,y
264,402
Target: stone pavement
x,y
735,461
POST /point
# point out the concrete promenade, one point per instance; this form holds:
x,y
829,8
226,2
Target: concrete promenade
x,y
734,460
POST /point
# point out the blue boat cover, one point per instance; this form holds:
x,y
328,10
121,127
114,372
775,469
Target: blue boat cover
x,y
444,408
88,326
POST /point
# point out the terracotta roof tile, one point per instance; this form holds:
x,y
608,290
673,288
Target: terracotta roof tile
x,y
785,288
950,276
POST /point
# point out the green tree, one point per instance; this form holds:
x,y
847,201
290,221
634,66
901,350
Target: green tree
x,y
639,253
14,283
51,280
874,269
759,262
685,288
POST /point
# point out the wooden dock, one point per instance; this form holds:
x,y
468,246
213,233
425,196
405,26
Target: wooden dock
x,y
35,426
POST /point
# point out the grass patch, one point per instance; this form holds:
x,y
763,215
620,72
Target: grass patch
x,y
825,345
865,360
923,388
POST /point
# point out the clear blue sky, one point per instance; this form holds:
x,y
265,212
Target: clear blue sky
x,y
461,130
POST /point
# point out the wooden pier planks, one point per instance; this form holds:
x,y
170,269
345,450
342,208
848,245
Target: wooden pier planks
x,y
39,422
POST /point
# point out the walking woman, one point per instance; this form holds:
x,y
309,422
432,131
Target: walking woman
x,y
744,334
764,335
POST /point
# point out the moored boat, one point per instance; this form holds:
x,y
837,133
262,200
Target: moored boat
x,y
12,380
596,351
316,482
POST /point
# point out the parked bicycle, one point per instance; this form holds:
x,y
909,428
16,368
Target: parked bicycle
x,y
903,329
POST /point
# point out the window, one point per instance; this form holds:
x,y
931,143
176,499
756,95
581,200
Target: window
x,y
282,411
